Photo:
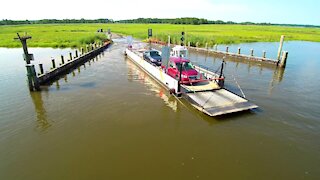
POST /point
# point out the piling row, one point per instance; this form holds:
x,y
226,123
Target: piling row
x,y
72,62
280,62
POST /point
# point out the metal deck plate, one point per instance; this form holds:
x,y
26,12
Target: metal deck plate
x,y
219,102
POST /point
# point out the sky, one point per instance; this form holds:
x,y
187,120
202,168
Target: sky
x,y
270,11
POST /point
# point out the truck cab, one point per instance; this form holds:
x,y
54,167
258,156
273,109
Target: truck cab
x,y
179,51
188,73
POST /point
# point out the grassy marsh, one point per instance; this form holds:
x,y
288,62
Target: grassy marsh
x,y
75,35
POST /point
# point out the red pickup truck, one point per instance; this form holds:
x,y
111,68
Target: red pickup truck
x,y
188,75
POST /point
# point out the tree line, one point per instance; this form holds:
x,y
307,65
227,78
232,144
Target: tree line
x,y
185,20
54,21
199,21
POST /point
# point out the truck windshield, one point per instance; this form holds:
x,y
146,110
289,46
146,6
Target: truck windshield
x,y
185,66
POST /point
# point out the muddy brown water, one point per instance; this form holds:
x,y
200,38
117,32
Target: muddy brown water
x,y
109,120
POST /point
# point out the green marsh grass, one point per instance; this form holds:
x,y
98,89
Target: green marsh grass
x,y
76,35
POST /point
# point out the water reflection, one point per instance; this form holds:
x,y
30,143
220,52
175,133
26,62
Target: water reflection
x,y
37,99
136,74
66,78
72,70
277,78
278,75
42,120
57,85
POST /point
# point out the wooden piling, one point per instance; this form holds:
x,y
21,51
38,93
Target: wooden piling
x,y
239,50
33,80
280,47
70,56
62,59
57,85
41,68
283,60
32,77
29,76
227,49
76,53
66,78
82,50
264,54
251,52
53,63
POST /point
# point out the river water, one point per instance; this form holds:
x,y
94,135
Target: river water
x,y
109,120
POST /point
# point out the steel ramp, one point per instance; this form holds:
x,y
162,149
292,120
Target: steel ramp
x,y
219,102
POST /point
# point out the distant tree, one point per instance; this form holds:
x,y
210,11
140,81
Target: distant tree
x,y
184,20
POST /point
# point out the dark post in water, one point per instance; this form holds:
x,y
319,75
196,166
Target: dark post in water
x,y
282,63
82,51
53,64
264,54
62,59
41,68
70,54
31,72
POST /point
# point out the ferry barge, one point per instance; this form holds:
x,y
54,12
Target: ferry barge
x,y
202,88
